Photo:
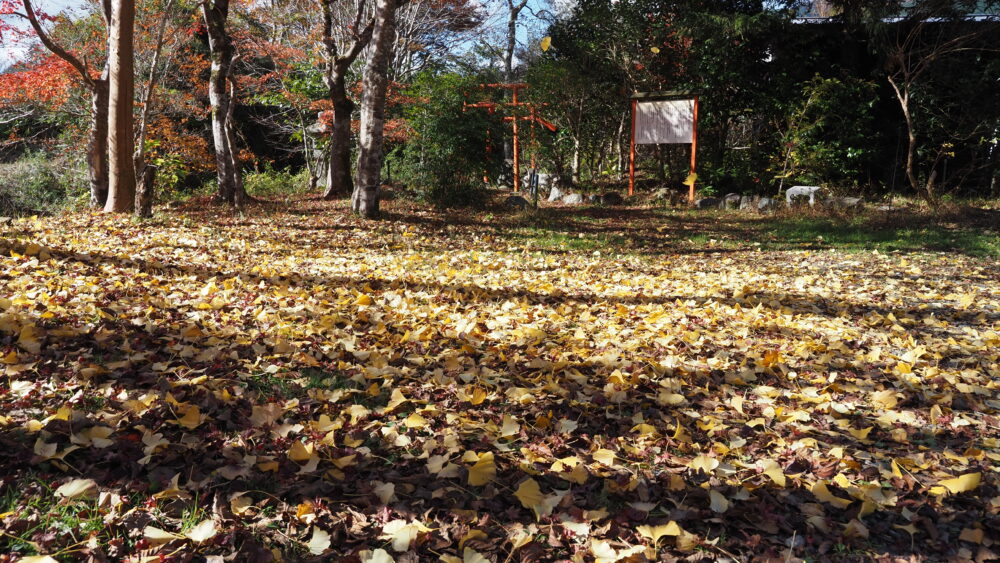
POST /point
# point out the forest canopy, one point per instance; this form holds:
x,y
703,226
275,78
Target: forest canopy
x,y
865,98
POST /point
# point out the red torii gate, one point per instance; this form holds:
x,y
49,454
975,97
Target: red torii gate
x,y
514,104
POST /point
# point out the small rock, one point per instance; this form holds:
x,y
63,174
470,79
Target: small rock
x,y
593,199
612,198
707,203
662,194
845,202
731,201
555,194
515,202
748,202
767,204
572,199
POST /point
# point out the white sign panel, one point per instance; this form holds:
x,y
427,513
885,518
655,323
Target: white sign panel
x,y
664,122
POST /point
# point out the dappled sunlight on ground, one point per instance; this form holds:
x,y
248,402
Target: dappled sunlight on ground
x,y
300,383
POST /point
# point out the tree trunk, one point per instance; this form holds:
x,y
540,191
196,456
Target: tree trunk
x,y
97,143
364,200
220,96
240,196
121,93
339,181
903,96
144,194
338,172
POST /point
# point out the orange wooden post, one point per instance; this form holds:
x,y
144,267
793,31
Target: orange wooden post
x,y
694,150
631,154
517,145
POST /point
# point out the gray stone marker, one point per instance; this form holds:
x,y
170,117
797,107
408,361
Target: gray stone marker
x,y
795,192
572,199
767,204
707,202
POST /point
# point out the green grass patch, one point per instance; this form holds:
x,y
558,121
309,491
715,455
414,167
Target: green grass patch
x,y
860,234
43,516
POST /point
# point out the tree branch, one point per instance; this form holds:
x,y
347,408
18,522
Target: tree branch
x,y
54,47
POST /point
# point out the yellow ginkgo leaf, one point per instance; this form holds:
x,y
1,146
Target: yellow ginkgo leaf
x,y
158,536
470,555
822,492
719,502
860,434
545,43
301,452
402,533
510,426
961,484
531,497
29,340
771,468
78,488
607,457
704,463
395,399
655,50
191,418
483,471
318,542
472,535
654,533
203,532
415,421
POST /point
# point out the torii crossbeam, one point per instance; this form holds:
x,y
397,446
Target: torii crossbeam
x,y
514,104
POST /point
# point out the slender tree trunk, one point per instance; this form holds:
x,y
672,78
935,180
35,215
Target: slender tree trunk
x,y
338,172
365,199
97,143
339,181
227,165
121,94
575,166
903,96
620,148
144,192
239,191
218,95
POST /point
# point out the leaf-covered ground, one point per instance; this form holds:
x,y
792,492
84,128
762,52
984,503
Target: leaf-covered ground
x,y
601,385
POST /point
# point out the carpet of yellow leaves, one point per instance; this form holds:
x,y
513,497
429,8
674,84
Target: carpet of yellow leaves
x,y
298,384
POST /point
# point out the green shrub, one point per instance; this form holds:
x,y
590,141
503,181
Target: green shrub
x,y
270,182
446,157
830,139
38,184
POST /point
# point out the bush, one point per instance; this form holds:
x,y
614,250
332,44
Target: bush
x,y
270,182
447,156
36,184
830,139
